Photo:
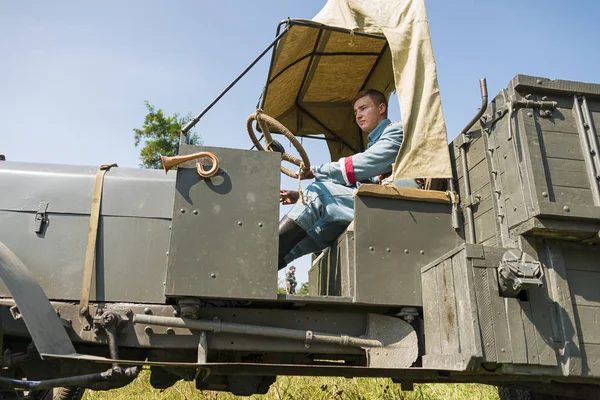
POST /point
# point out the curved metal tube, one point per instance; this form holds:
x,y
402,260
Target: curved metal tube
x,y
463,155
79,380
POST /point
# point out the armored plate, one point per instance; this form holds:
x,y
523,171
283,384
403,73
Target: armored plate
x,y
225,228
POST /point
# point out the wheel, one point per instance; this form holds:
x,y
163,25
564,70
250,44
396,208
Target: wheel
x,y
264,121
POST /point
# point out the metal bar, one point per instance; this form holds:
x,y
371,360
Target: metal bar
x,y
592,136
80,380
244,329
195,120
310,66
586,150
463,153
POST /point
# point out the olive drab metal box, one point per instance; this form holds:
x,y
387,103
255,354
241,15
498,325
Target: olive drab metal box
x,y
45,218
224,234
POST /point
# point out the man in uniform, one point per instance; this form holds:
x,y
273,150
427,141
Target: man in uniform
x,y
329,207
290,280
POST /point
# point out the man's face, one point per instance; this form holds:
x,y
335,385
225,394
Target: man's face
x,y
367,114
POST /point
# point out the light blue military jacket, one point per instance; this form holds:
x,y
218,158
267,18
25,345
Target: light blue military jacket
x,y
382,149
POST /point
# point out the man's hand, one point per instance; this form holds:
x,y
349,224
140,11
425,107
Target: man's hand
x,y
307,174
288,196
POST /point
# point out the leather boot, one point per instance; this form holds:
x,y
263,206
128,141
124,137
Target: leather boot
x,y
290,234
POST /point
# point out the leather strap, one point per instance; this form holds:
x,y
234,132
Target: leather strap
x,y
90,250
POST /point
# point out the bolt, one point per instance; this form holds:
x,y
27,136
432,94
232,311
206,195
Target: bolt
x,y
213,275
170,227
566,208
182,211
260,224
195,212
544,194
528,96
422,252
388,250
176,313
147,311
170,331
240,223
544,98
148,330
371,248
529,114
539,81
505,156
167,253
406,251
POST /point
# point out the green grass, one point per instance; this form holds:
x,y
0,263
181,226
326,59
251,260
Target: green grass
x,y
306,388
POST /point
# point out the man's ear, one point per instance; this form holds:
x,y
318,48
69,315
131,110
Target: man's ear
x,y
382,109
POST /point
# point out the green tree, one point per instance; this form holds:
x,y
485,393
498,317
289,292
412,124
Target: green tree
x,y
303,289
160,136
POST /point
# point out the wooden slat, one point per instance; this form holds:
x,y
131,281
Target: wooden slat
x,y
585,287
401,193
484,312
559,145
503,345
447,306
431,313
541,308
531,335
516,331
485,226
465,305
570,195
589,319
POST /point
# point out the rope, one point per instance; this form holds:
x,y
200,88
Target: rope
x,y
299,186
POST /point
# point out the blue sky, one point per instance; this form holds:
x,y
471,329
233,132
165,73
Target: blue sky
x,y
74,75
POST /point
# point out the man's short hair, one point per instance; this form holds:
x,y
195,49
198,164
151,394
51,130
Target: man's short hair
x,y
375,95
292,268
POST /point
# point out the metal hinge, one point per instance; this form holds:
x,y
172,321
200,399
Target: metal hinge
x,y
40,217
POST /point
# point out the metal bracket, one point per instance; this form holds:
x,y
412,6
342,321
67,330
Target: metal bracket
x,y
308,339
518,271
40,217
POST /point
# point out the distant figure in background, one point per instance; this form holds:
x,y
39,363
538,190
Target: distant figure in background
x,y
2,158
290,281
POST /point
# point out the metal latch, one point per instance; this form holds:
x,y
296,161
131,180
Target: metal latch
x,y
518,271
40,217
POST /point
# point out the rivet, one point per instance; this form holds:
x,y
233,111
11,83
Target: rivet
x,y
388,250
195,212
170,227
170,331
147,310
148,330
213,275
529,114
544,194
371,248
240,223
182,211
167,253
505,156
260,224
539,81
566,208
406,251
422,252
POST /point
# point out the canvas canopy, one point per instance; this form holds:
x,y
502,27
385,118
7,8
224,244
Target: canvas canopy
x,y
318,67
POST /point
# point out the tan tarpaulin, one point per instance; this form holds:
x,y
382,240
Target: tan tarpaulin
x,y
424,152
